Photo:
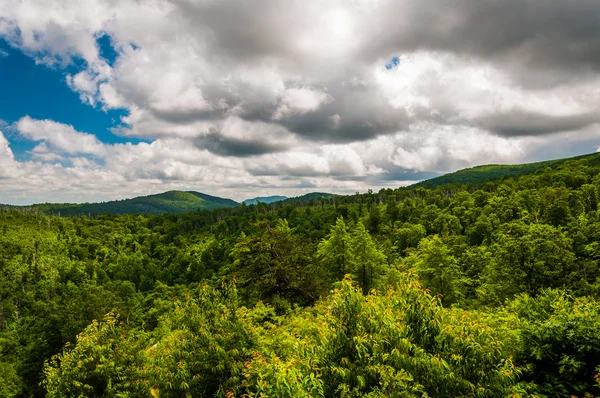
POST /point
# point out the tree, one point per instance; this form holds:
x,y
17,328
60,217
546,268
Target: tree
x,y
197,350
334,251
368,262
560,343
438,269
407,236
526,259
275,262
395,346
446,224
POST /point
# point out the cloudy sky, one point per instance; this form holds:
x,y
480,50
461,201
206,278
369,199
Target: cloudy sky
x,y
110,99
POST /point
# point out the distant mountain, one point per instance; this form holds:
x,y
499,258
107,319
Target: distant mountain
x,y
167,202
310,196
491,172
264,199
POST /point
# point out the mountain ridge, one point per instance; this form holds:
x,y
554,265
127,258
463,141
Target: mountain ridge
x,y
482,173
175,201
161,203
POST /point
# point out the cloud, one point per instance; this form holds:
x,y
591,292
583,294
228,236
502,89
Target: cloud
x,y
237,96
321,70
60,137
300,100
7,159
240,138
517,122
455,148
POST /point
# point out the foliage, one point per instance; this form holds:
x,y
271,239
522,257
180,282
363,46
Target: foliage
x,y
438,269
560,336
482,289
489,172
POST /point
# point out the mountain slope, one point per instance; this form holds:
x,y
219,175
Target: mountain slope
x,y
167,202
491,172
310,196
264,199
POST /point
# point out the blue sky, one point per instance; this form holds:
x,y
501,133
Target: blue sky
x,y
107,100
41,92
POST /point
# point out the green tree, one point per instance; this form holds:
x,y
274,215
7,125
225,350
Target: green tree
x,y
560,343
335,250
368,262
276,262
407,235
402,345
10,383
438,269
528,258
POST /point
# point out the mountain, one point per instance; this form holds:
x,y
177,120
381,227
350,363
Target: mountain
x,y
167,202
491,172
264,199
162,203
310,196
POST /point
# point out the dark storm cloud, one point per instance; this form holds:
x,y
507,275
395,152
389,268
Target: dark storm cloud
x,y
285,172
540,43
255,33
523,123
524,35
397,173
556,34
242,29
187,116
352,115
220,144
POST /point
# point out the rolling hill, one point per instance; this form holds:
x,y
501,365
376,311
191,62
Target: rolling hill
x,y
492,172
310,196
185,201
167,202
162,203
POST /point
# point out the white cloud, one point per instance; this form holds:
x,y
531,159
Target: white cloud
x,y
300,100
60,137
444,149
7,159
236,97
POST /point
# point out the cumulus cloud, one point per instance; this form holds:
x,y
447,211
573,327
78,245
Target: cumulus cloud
x,y
60,137
7,159
242,94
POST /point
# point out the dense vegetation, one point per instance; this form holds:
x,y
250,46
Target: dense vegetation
x,y
480,174
478,290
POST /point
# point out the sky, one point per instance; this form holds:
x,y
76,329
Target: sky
x,y
107,99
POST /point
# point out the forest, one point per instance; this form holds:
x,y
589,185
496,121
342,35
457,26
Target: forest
x,y
480,289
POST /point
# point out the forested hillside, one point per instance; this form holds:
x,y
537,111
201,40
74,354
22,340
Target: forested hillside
x,y
469,290
167,202
480,174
